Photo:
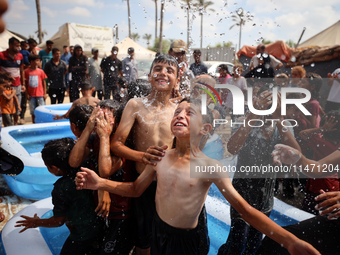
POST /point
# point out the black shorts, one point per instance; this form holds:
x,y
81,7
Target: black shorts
x,y
118,239
167,240
144,209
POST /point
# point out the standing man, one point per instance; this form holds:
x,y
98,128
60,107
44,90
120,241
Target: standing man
x,y
11,61
130,68
66,58
46,54
32,44
96,74
198,67
112,68
254,62
55,69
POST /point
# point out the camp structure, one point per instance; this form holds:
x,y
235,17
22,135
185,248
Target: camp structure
x,y
4,37
86,36
140,51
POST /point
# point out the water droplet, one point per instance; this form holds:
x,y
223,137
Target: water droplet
x,y
112,68
293,59
312,65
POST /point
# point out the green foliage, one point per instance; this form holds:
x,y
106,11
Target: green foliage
x,y
290,43
165,45
135,37
224,45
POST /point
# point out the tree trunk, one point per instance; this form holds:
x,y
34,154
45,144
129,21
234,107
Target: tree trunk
x,y
239,39
188,32
37,2
201,30
128,6
156,19
161,28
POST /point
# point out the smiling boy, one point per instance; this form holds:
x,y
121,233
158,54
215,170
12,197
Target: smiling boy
x,y
180,198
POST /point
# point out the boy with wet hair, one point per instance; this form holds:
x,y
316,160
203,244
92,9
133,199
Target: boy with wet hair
x,y
72,207
87,91
148,119
78,117
175,229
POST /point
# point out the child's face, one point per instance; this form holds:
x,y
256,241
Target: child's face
x,y
163,76
222,72
35,63
54,170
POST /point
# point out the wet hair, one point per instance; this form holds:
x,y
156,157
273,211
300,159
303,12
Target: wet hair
x,y
86,86
57,152
335,134
138,88
33,57
300,70
54,50
166,59
13,40
109,104
79,115
316,81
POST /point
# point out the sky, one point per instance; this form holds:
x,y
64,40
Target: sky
x,y
272,19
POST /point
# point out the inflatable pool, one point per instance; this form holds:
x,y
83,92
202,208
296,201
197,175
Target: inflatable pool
x,y
45,241
214,147
26,142
44,113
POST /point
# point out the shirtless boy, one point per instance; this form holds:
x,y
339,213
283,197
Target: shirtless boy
x,y
148,119
179,198
87,90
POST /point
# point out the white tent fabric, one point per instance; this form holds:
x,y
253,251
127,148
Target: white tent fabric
x,y
141,53
4,37
328,37
86,36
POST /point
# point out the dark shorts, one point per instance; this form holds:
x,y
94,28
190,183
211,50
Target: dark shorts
x,y
167,240
89,247
7,119
117,237
144,209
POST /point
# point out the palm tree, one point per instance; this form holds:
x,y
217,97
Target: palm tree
x,y
40,36
135,36
147,37
161,27
240,18
202,6
129,16
188,7
156,18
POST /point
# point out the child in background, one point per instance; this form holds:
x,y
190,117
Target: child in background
x,y
87,91
72,207
224,74
323,141
297,73
8,100
36,84
175,228
281,80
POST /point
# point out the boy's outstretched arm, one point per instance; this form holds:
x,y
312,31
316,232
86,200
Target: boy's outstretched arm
x,y
35,221
118,141
88,179
262,223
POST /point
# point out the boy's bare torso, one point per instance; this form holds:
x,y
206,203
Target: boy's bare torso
x,y
152,126
87,100
179,198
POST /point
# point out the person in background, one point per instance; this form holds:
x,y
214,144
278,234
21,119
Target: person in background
x,y
297,73
281,80
46,54
130,67
260,49
24,52
55,70
95,74
198,67
66,58
23,105
11,61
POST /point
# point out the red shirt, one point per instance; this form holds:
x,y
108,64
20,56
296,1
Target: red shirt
x,y
34,80
12,66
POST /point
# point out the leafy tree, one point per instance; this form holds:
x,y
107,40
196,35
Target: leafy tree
x,y
240,18
135,37
147,37
166,45
290,43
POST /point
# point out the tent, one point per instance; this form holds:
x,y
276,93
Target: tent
x,y
4,37
140,51
86,36
328,37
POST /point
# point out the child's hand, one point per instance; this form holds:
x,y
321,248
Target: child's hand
x,y
301,247
154,153
29,222
57,117
330,124
331,205
103,125
19,108
87,179
104,203
92,120
264,100
284,154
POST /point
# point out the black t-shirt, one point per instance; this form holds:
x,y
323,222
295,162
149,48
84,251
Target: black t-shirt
x,y
111,68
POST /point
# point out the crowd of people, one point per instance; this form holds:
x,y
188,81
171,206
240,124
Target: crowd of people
x,y
141,144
